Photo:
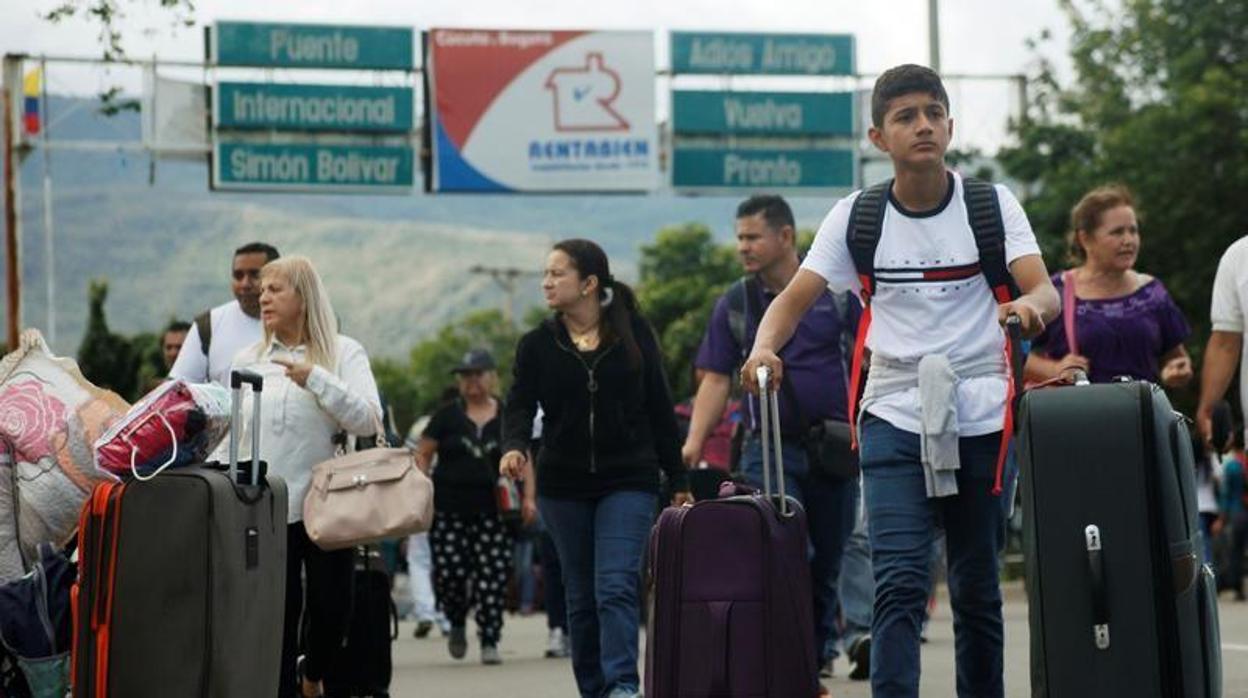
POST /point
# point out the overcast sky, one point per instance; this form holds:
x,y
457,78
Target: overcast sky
x,y
977,36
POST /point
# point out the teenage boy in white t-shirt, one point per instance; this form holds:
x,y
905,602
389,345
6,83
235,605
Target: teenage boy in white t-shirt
x,y
1228,313
934,312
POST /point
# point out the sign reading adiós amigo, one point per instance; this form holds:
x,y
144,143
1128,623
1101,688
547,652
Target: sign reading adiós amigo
x,y
541,111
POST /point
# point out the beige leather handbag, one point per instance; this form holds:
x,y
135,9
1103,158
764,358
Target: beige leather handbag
x,y
367,496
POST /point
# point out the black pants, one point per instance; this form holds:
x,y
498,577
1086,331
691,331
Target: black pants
x,y
471,564
328,594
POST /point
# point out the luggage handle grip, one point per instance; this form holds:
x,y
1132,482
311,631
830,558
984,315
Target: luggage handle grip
x,y
1096,574
237,380
769,406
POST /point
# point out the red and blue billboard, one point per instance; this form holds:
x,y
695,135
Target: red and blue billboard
x,y
541,111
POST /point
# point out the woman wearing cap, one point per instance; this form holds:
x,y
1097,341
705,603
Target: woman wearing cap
x,y
471,545
609,428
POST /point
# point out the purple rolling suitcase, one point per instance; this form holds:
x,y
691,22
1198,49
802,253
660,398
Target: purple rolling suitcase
x,y
731,611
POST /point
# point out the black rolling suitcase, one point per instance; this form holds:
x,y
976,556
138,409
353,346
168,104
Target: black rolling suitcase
x,y
182,581
363,667
1119,602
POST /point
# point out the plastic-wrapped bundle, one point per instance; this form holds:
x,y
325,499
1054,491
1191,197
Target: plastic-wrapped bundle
x,y
178,423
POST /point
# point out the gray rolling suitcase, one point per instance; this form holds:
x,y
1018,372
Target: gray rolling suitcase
x,y
1119,602
181,588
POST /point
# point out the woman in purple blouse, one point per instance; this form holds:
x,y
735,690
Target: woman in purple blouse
x,y
1126,324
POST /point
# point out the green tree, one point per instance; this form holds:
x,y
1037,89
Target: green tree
x,y
107,359
1159,102
682,274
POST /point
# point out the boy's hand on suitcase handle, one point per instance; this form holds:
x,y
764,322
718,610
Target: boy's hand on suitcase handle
x,y
1031,321
512,464
761,359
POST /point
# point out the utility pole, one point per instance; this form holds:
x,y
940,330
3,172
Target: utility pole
x,y
506,278
11,79
933,33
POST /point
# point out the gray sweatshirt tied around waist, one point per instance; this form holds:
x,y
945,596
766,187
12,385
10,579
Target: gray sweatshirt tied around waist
x,y
937,380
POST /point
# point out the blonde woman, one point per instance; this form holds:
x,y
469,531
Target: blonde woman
x,y
316,384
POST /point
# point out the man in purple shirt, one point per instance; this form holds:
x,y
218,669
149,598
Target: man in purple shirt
x,y
814,390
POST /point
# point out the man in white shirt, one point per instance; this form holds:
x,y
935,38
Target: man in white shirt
x,y
1228,313
217,335
935,339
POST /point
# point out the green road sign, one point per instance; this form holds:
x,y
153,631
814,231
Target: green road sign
x,y
253,105
763,113
737,168
724,53
311,167
312,46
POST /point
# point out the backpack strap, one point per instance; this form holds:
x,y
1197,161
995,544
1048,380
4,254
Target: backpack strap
x,y
983,212
203,327
736,295
866,223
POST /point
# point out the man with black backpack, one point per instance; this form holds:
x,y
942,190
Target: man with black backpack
x,y
218,334
813,408
941,262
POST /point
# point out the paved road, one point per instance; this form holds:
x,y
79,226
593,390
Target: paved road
x,y
424,669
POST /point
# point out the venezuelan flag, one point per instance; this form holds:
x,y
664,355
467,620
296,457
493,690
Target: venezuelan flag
x,y
30,88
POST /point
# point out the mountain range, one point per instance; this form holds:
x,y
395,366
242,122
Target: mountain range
x,y
396,266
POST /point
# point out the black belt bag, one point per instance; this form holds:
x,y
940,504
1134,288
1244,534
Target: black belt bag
x,y
828,450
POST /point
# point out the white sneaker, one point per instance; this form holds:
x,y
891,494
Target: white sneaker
x,y
557,644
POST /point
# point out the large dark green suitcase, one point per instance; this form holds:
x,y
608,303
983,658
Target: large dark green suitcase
x,y
182,583
1119,602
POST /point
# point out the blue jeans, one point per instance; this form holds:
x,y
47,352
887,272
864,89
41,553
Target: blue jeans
x,y
857,585
829,505
902,524
600,544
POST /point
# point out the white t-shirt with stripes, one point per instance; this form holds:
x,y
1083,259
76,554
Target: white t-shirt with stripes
x,y
930,297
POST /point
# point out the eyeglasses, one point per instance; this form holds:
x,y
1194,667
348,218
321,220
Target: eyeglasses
x,y
240,274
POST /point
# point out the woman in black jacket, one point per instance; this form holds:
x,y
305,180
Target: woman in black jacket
x,y
608,427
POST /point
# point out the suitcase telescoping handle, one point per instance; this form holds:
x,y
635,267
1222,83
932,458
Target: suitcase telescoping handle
x,y
237,380
769,406
1096,575
1014,329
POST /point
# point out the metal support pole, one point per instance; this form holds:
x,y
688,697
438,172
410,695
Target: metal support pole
x,y
933,33
12,78
49,250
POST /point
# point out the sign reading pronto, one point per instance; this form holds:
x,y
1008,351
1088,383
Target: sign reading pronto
x,y
762,54
293,107
331,167
312,46
552,111
728,168
763,113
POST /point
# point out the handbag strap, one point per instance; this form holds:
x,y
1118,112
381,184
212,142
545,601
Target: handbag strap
x,y
1068,309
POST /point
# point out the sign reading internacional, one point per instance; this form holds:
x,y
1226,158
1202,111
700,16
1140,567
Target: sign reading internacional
x,y
762,54
551,111
312,46
726,168
292,107
309,167
763,113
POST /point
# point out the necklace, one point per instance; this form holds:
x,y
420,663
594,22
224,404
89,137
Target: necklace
x,y
584,340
